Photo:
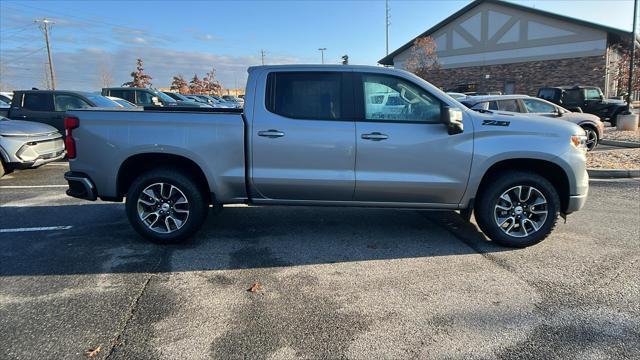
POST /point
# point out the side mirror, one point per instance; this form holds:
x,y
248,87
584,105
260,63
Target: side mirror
x,y
558,112
452,118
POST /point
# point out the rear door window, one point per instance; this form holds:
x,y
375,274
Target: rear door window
x,y
305,95
38,102
508,105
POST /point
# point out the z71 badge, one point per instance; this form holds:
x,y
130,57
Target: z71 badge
x,y
496,123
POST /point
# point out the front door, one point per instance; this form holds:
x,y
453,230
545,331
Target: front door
x,y
303,137
406,155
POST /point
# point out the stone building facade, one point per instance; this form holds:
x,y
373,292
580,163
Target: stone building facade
x,y
491,45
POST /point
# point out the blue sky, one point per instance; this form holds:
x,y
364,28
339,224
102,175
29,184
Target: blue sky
x,y
91,38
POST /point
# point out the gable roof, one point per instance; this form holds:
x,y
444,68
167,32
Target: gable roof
x,y
388,60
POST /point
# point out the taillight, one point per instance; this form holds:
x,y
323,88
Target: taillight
x,y
70,123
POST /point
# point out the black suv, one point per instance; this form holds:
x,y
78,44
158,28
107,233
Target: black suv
x,y
587,99
49,106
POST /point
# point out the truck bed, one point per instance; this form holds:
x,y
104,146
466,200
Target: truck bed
x,y
213,139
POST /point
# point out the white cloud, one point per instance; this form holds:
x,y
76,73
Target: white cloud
x,y
80,69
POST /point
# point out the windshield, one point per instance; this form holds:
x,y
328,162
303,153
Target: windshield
x,y
164,97
101,101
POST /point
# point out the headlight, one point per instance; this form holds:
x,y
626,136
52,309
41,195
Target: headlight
x,y
579,141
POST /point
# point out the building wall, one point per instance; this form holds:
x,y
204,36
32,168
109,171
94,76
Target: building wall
x,y
491,34
527,77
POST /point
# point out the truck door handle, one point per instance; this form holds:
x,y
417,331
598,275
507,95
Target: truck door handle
x,y
375,136
271,133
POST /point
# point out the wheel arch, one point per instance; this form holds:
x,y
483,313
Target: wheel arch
x,y
554,173
138,164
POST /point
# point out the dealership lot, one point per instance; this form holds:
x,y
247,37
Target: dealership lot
x,y
356,283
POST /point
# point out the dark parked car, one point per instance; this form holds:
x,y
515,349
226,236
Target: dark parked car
x,y
591,124
589,99
183,100
145,97
49,106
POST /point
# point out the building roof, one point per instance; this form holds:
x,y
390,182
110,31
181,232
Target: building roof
x,y
388,60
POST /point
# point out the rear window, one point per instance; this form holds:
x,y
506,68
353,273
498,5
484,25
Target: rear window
x,y
38,101
547,94
572,96
123,94
305,95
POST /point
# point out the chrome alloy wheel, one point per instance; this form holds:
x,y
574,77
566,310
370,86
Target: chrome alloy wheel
x,y
163,208
521,211
592,139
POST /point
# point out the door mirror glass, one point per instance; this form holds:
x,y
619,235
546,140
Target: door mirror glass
x,y
452,118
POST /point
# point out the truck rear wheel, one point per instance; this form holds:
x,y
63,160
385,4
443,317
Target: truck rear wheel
x,y
165,206
518,209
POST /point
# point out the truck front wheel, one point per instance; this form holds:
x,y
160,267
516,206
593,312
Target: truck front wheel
x,y
518,209
165,206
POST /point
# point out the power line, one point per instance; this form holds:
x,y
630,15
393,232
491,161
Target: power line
x,y
25,55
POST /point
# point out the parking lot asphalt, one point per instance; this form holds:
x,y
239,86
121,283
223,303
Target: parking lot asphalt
x,y
336,283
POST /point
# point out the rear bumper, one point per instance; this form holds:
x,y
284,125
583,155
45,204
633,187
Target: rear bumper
x,y
80,186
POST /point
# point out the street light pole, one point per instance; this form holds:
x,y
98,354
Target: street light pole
x,y
633,55
322,53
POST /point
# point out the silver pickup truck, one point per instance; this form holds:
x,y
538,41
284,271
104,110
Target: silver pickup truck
x,y
323,135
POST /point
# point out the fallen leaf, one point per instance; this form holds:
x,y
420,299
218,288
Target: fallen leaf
x,y
92,352
255,287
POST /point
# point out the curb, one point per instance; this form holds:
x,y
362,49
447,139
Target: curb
x,y
618,143
613,173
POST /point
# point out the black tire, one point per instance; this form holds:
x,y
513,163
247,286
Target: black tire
x,y
613,119
198,205
488,199
592,137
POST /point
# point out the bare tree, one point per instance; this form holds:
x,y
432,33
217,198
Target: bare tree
x,y
106,79
195,85
211,85
424,58
179,84
140,79
620,69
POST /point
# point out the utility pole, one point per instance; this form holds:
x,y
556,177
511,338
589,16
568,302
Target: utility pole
x,y
45,27
322,52
262,53
386,23
633,55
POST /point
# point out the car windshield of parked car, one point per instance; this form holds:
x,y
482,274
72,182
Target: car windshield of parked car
x,y
537,106
101,101
405,101
164,97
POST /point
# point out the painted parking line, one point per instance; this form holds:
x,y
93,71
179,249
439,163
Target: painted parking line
x,y
45,228
32,186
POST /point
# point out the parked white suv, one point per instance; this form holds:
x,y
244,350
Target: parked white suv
x,y
27,144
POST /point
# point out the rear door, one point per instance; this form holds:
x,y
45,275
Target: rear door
x,y
303,132
407,156
38,107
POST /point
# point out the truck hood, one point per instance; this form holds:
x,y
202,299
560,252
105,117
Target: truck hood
x,y
613,102
25,128
577,118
